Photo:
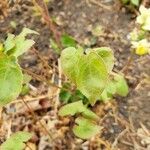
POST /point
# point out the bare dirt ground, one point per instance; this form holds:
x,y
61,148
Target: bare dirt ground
x,y
125,121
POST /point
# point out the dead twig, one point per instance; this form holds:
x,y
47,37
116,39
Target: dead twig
x,y
117,138
36,119
30,99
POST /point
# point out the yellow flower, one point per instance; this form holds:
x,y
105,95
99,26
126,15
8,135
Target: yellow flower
x,y
144,18
141,47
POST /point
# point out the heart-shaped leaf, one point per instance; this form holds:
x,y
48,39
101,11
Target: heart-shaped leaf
x,y
69,60
77,107
92,77
107,55
88,72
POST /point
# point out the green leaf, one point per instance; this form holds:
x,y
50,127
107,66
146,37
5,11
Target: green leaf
x,y
9,43
22,46
121,85
54,46
109,91
64,94
77,95
107,55
92,77
67,41
87,113
69,61
135,2
25,89
17,45
26,31
117,85
11,79
77,107
16,141
71,109
85,129
88,72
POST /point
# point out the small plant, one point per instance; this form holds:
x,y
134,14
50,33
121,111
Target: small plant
x,y
91,72
65,41
11,77
16,141
139,35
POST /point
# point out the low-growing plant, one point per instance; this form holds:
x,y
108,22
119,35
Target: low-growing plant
x,y
12,80
91,72
11,77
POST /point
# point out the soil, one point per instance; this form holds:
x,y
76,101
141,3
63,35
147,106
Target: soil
x,y
122,118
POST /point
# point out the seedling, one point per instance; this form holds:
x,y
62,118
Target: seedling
x,y
11,77
91,72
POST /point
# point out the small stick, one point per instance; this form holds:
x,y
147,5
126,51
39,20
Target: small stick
x,y
36,119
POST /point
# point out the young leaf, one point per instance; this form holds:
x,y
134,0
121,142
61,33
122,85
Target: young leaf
x,y
72,109
25,89
64,94
16,141
107,55
9,43
67,41
17,45
77,95
109,91
77,107
22,46
85,129
69,61
92,77
26,31
87,113
121,85
11,79
88,72
135,2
